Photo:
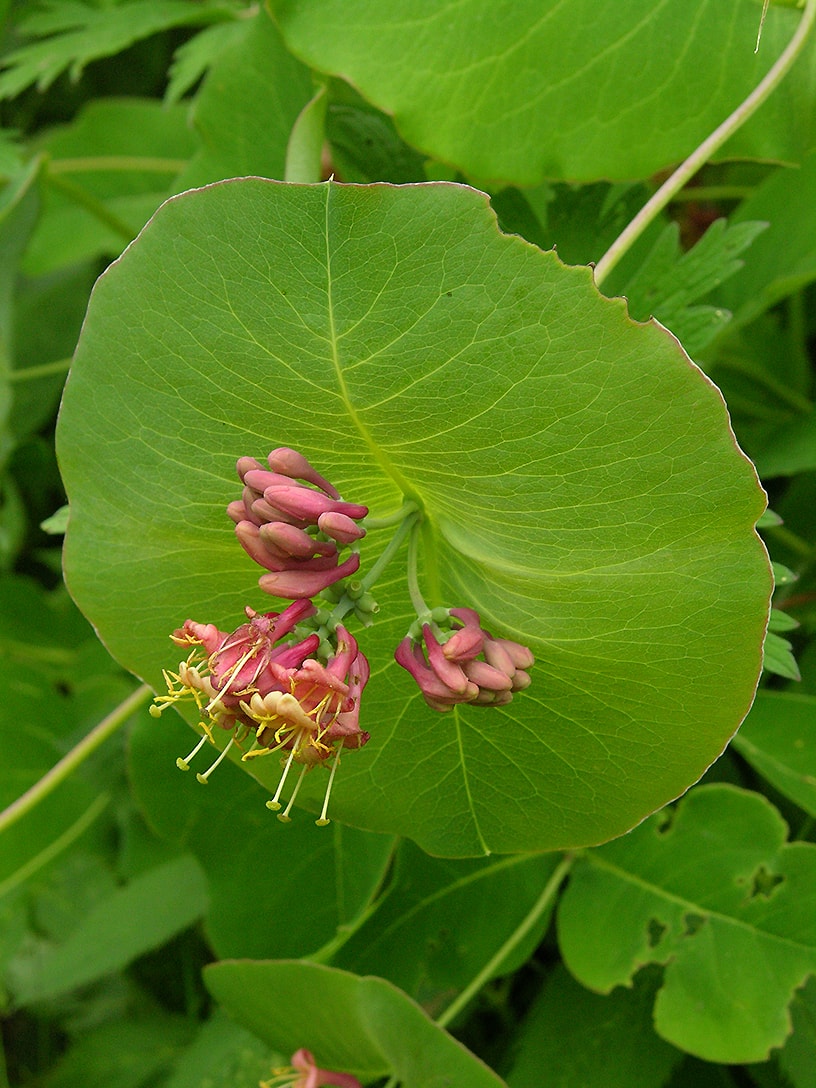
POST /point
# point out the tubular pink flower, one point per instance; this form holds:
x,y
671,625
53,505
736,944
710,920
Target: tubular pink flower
x,y
464,665
290,463
340,527
295,583
316,717
303,503
272,518
309,1075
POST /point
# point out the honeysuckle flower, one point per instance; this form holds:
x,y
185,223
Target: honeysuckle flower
x,y
294,530
314,718
465,664
305,1073
257,681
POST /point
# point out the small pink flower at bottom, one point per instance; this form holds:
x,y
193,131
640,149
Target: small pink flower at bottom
x,y
464,664
255,680
305,1073
314,718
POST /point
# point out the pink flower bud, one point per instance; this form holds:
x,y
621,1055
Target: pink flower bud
x,y
302,502
340,527
291,463
295,583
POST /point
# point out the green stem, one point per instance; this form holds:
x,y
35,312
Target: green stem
x,y
391,549
388,520
304,151
44,370
417,600
493,965
69,763
703,153
54,849
91,204
791,540
91,164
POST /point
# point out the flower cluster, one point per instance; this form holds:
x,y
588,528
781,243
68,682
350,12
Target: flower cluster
x,y
464,664
250,682
305,1073
293,530
291,682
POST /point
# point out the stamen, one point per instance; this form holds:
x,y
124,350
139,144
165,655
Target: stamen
x,y
284,816
324,820
184,764
253,752
202,778
229,676
274,804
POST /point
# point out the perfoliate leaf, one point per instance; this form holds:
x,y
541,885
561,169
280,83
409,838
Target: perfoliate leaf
x,y
579,484
715,893
73,34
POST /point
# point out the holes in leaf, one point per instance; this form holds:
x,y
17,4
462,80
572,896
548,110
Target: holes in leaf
x,y
764,882
654,932
692,923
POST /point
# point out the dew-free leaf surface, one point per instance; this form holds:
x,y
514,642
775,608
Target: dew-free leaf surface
x,y
778,738
258,880
564,89
363,1026
578,478
714,892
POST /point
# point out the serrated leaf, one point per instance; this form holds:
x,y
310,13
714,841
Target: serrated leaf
x,y
580,484
512,93
778,657
783,576
781,621
74,34
668,281
192,59
777,740
783,260
364,1026
238,140
713,892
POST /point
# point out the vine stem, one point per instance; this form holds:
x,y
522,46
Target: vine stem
x,y
698,158
78,754
516,937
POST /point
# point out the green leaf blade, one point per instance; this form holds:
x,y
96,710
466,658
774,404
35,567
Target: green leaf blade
x,y
580,484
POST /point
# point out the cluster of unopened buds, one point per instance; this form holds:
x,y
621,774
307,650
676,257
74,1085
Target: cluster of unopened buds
x,y
304,1072
291,682
454,660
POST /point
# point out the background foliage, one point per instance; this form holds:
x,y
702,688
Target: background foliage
x,y
681,953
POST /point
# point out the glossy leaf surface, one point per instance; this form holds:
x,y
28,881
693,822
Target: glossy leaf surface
x,y
578,478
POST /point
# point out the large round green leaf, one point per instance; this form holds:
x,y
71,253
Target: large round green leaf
x,y
522,90
580,485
